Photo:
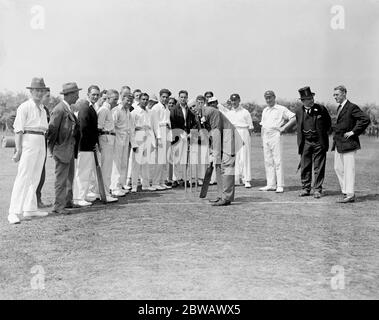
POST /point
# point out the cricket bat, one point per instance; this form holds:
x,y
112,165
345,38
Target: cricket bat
x,y
206,181
100,180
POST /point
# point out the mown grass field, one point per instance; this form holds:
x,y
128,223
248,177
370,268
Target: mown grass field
x,y
172,245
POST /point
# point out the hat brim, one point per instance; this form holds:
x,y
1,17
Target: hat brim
x,y
44,88
305,98
70,91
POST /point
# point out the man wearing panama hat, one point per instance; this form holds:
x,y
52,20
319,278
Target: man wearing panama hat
x,y
63,139
30,126
313,126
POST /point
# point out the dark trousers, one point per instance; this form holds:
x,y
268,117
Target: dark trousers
x,y
313,153
41,183
64,177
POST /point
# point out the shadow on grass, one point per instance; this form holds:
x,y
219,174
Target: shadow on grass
x,y
368,197
252,199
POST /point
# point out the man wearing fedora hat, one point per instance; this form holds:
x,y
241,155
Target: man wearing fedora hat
x,y
63,139
30,126
313,127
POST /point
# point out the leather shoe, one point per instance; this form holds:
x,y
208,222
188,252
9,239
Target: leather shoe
x,y
61,211
304,193
347,199
215,200
42,205
317,195
222,202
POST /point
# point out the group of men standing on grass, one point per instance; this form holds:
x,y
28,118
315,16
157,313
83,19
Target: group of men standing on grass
x,y
167,142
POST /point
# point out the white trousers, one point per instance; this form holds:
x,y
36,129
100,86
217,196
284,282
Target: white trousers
x,y
23,198
120,165
85,169
344,166
179,157
243,156
142,159
272,151
130,166
107,154
161,156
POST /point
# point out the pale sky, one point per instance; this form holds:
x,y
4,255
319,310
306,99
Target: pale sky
x,y
226,46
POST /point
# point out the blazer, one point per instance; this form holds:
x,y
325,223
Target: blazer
x,y
89,135
351,118
63,134
178,124
222,132
323,126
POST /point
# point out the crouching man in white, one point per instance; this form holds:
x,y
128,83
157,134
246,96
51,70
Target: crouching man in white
x,y
30,126
273,124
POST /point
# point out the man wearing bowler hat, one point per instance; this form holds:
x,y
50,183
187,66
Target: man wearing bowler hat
x,y
30,126
63,139
313,126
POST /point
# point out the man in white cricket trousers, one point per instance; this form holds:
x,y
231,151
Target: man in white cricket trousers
x,y
89,140
30,126
142,140
242,121
273,125
123,128
160,117
107,137
350,123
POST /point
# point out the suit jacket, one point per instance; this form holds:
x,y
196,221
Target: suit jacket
x,y
223,133
351,118
178,124
63,133
322,123
89,135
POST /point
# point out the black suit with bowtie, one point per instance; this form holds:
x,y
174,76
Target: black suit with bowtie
x,y
313,127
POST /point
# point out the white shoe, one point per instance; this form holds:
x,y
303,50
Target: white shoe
x,y
267,188
200,182
247,185
28,214
13,219
83,203
119,193
149,189
279,190
111,199
126,187
157,187
94,196
165,186
134,190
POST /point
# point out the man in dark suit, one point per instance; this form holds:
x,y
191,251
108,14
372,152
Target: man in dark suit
x,y
223,136
182,121
350,123
89,141
313,126
63,139
40,204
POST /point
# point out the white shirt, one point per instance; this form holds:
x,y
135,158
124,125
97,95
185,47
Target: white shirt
x,y
123,123
29,116
240,118
274,117
141,122
184,110
222,109
160,116
105,118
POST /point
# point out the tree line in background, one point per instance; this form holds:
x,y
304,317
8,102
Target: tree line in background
x,y
9,101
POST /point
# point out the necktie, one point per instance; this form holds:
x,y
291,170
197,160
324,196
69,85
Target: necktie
x,y
339,110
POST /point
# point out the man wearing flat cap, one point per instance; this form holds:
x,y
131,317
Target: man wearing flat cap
x,y
313,127
29,126
275,120
63,140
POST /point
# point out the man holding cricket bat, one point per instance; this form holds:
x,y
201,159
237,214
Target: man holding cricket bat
x,y
223,136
